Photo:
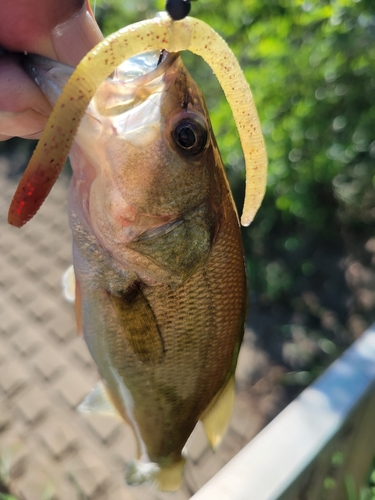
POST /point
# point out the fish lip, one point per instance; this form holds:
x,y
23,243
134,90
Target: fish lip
x,y
51,76
166,60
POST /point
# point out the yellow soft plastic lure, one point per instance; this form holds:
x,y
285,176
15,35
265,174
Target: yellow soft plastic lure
x,y
146,36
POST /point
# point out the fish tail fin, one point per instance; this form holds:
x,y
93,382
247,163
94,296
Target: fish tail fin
x,y
166,478
217,416
169,478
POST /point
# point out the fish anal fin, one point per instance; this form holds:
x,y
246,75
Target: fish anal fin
x,y
216,417
139,324
98,402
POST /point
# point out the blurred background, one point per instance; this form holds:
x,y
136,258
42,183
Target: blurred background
x,y
310,252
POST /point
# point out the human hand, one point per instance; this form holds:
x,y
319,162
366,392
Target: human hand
x,y
64,30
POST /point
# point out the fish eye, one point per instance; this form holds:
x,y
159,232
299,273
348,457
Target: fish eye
x,y
190,134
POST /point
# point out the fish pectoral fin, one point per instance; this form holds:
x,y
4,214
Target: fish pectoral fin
x,y
68,283
71,292
216,417
98,402
167,478
139,325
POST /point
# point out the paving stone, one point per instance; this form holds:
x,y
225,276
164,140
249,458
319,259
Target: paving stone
x,y
27,341
33,233
7,243
5,417
197,443
147,490
49,363
49,245
59,224
23,293
58,194
13,377
72,388
14,455
52,280
9,321
36,483
33,405
64,257
3,352
122,494
89,474
8,275
105,428
124,448
62,327
36,267
42,308
58,437
20,253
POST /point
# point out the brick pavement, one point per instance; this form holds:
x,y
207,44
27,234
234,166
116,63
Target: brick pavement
x,y
50,451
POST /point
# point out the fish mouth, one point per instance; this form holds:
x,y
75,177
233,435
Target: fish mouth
x,y
124,105
125,89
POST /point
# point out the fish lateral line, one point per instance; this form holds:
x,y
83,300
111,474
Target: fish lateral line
x,y
149,35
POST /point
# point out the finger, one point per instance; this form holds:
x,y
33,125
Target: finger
x,y
26,25
24,109
17,91
73,38
29,124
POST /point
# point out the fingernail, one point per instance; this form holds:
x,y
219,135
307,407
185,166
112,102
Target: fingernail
x,y
73,38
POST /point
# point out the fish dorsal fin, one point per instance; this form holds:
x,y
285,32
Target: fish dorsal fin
x,y
98,402
216,417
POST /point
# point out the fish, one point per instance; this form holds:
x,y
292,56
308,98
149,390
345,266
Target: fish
x,y
160,282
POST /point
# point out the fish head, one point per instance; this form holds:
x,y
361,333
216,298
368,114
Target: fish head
x,y
145,163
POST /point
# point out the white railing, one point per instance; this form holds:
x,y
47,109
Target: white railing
x,y
320,447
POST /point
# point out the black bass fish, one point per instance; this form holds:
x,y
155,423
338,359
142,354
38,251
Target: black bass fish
x,y
158,259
